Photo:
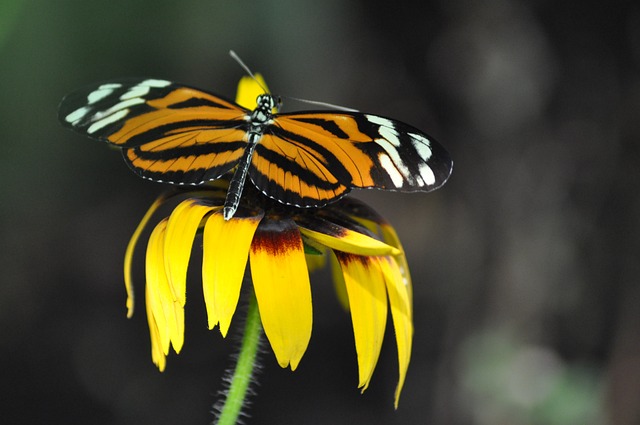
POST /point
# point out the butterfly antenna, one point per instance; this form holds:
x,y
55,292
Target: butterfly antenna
x,y
244,66
324,104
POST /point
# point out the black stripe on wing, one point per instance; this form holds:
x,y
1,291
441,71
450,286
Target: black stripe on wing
x,y
184,126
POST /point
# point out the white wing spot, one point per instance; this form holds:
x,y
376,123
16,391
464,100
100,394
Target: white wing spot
x,y
77,115
111,86
135,91
379,120
97,95
391,169
117,107
390,134
106,121
427,174
394,155
155,83
142,88
422,145
102,92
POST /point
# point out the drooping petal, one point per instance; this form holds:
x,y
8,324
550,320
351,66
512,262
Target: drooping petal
x,y
365,285
399,286
377,224
390,236
341,238
401,313
128,256
249,89
315,254
338,282
225,253
157,352
168,313
315,261
181,231
282,287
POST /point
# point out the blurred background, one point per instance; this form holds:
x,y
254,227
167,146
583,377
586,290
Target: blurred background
x,y
525,265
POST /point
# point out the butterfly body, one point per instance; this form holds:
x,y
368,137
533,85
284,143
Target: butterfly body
x,y
181,135
259,119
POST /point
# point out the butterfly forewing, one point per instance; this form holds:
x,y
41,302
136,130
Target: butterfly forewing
x,y
169,133
312,158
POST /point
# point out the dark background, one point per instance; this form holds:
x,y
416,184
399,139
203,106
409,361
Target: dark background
x,y
525,264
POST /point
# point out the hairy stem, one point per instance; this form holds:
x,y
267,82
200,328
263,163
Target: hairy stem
x,y
242,375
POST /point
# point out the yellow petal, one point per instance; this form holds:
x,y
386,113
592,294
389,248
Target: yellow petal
x,y
249,90
225,253
343,239
281,283
167,313
390,236
181,231
315,254
379,225
315,262
157,353
365,285
401,312
338,283
128,256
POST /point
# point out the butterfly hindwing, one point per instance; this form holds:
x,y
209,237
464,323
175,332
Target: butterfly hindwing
x,y
169,133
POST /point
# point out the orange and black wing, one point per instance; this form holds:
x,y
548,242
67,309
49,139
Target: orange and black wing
x,y
168,133
310,159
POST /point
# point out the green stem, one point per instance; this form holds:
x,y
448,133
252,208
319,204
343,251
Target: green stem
x,y
241,378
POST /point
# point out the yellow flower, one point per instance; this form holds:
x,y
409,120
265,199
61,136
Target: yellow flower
x,y
280,243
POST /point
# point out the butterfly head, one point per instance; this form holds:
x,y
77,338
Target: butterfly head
x,y
267,105
268,101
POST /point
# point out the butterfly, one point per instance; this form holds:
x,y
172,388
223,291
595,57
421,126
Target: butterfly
x,y
181,135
